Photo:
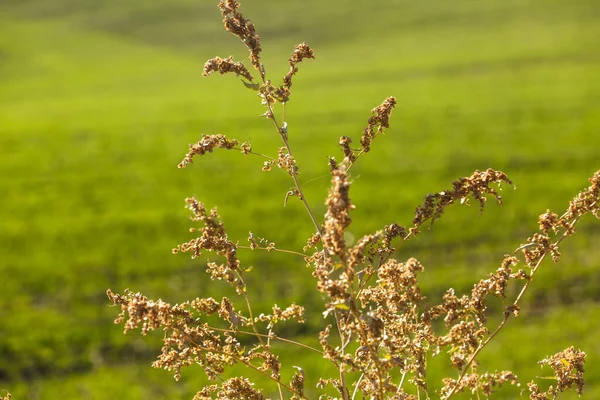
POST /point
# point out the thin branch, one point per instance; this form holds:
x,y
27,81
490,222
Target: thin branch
x,y
274,249
294,177
341,366
254,153
251,316
357,384
401,383
361,152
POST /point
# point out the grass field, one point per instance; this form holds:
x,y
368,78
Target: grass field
x,y
99,100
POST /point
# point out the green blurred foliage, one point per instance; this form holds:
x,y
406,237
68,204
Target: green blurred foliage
x,y
99,100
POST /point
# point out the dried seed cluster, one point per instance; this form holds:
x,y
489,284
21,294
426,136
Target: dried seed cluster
x,y
476,185
286,161
188,341
568,372
226,65
234,22
541,244
297,383
207,144
389,321
379,120
213,238
301,51
337,217
234,389
241,27
482,383
292,312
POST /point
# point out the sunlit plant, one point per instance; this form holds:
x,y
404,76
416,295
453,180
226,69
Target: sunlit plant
x,y
378,329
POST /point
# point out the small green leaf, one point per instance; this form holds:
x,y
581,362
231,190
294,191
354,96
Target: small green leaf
x,y
342,306
250,85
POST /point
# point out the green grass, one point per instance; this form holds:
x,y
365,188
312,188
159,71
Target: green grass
x,y
98,101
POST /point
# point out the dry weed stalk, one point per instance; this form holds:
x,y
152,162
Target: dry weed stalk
x,y
384,327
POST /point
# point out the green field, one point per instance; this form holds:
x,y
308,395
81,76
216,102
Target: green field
x,y
100,99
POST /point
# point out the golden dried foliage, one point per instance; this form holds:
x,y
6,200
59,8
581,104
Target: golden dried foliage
x,y
224,66
235,23
567,366
207,144
377,322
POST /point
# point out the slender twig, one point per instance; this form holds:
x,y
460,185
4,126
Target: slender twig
x,y
341,367
255,153
401,383
273,249
280,391
259,337
355,158
253,325
269,346
294,177
357,384
272,336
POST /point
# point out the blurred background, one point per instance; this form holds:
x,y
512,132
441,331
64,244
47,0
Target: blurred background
x,y
99,100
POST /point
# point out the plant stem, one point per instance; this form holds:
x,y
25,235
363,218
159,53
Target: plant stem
x,y
401,383
344,390
256,154
294,177
272,336
259,337
273,249
358,383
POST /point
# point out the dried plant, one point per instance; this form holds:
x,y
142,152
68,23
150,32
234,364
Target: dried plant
x,y
378,328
